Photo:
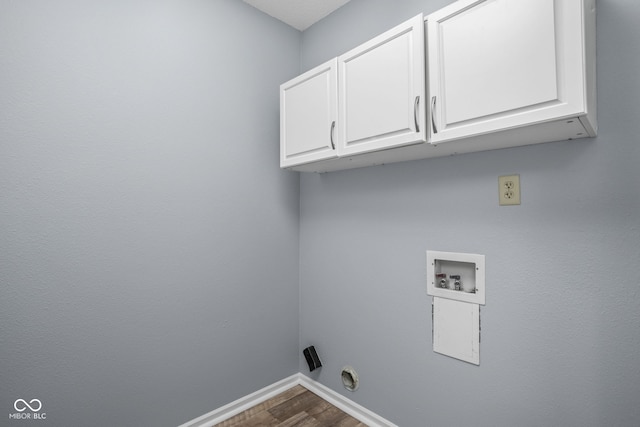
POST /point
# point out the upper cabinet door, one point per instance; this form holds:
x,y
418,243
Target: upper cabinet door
x,y
382,91
308,113
500,64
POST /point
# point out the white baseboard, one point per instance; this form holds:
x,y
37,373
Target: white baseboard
x,y
358,412
223,413
234,408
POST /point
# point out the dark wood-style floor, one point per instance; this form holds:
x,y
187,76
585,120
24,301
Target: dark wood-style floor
x,y
296,407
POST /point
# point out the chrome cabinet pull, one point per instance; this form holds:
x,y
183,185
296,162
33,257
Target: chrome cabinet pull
x,y
415,113
433,119
333,125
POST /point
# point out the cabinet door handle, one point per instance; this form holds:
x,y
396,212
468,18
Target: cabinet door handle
x,y
415,113
333,126
433,119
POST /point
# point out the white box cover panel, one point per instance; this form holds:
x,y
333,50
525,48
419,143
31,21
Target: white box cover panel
x,y
456,329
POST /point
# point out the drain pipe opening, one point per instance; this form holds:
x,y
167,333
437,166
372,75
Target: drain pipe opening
x,y
350,378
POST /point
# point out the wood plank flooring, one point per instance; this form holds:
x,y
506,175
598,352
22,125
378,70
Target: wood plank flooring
x,y
296,407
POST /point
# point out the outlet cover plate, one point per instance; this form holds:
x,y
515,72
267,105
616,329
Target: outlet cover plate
x,y
509,190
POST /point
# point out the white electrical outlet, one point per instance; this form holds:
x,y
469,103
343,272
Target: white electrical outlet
x,y
509,190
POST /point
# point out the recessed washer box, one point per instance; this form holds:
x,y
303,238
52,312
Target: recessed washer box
x,y
456,276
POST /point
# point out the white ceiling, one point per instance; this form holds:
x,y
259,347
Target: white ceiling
x,y
300,14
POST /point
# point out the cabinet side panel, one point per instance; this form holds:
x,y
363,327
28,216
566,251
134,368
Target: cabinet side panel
x,y
589,34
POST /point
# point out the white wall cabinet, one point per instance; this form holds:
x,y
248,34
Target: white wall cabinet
x,y
500,73
381,91
371,98
500,64
308,114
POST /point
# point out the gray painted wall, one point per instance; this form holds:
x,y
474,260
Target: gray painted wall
x,y
149,243
561,327
148,240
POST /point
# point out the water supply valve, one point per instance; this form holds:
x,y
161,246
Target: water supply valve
x,y
442,280
457,285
